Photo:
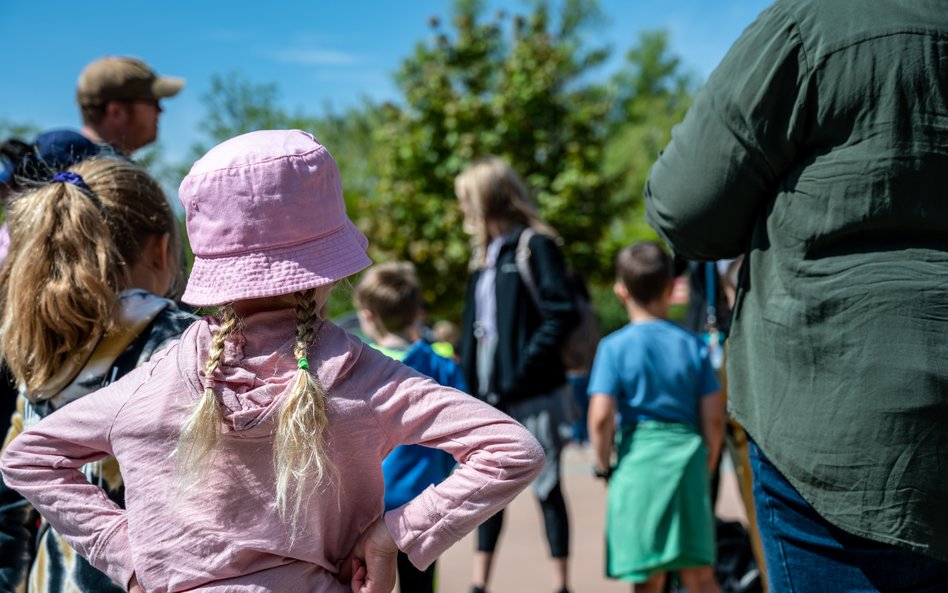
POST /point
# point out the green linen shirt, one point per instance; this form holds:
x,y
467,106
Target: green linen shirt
x,y
819,147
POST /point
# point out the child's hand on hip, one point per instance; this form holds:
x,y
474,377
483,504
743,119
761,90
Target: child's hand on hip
x,y
373,561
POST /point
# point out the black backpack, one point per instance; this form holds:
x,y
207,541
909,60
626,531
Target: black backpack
x,y
579,349
736,570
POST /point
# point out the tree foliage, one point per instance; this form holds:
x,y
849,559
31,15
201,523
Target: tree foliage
x,y
17,130
652,95
526,87
514,86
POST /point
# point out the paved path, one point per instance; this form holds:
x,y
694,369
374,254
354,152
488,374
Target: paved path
x,y
522,565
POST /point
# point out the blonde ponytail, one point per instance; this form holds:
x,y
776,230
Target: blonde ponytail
x,y
70,251
299,454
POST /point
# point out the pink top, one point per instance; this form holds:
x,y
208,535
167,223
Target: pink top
x,y
225,535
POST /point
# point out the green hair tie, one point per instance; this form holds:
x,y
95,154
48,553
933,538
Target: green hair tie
x,y
303,363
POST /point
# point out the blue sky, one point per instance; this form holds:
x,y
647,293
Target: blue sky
x,y
320,53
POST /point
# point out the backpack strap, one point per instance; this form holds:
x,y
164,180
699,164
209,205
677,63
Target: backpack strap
x,y
711,293
522,259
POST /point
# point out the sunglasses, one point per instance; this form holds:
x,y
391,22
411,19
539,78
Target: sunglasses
x,y
148,101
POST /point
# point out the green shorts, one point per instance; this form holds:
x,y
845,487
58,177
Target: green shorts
x,y
659,515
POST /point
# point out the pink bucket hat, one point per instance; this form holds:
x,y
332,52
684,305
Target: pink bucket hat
x,y
265,217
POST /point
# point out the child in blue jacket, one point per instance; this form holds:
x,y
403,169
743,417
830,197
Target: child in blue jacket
x,y
388,300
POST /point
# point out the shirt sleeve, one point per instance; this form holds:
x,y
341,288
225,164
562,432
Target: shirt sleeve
x,y
558,311
44,464
739,138
603,379
497,458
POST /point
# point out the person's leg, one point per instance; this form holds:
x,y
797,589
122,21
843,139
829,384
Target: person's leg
x,y
542,416
654,584
699,580
556,522
804,552
412,580
487,535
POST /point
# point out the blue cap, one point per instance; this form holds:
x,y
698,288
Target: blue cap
x,y
7,167
60,149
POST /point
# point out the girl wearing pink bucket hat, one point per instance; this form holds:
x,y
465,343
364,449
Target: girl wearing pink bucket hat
x,y
252,448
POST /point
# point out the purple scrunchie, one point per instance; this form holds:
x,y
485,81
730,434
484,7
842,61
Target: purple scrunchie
x,y
72,178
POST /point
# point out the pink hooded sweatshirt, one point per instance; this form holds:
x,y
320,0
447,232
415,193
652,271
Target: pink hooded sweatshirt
x,y
225,534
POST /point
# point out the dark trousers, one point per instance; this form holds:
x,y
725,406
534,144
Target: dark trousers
x,y
806,553
554,518
412,580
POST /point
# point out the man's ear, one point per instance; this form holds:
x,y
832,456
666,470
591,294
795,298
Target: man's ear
x,y
365,314
116,111
621,291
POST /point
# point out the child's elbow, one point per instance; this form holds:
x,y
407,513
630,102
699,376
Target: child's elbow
x,y
13,463
531,457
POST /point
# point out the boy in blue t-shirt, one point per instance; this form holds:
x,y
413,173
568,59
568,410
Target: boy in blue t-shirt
x,y
658,378
388,301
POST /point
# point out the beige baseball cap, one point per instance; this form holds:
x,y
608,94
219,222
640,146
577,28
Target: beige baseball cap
x,y
115,78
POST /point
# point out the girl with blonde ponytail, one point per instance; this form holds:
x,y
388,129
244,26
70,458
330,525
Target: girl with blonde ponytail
x,y
92,255
252,448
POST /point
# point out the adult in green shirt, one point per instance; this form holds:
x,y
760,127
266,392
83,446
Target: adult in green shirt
x,y
819,147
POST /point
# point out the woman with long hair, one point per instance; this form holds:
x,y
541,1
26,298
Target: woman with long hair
x,y
518,313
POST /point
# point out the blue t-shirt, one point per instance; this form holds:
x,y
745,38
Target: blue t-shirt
x,y
655,370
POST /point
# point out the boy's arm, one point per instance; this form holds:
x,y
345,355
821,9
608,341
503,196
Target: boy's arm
x,y
712,425
602,430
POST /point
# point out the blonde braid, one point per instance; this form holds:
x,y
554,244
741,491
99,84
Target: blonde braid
x,y
201,432
299,455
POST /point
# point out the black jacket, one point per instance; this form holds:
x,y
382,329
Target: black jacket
x,y
527,361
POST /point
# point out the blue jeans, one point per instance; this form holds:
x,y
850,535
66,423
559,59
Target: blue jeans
x,y
805,553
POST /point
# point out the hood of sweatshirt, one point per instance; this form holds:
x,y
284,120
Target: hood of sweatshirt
x,y
257,367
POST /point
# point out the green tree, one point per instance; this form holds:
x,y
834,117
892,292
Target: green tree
x,y
652,95
235,105
521,87
524,87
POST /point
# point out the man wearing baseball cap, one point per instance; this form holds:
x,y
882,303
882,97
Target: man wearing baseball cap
x,y
120,102
119,98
